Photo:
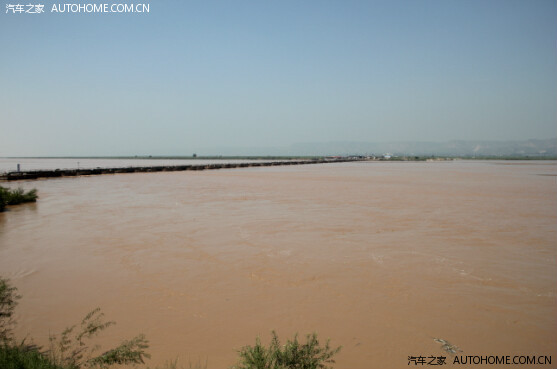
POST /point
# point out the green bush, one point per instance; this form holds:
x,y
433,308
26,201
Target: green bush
x,y
8,302
2,200
16,197
70,350
20,357
292,355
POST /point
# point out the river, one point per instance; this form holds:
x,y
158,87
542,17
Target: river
x,y
381,257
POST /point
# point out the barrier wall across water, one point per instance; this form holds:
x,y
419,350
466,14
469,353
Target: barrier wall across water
x,y
56,173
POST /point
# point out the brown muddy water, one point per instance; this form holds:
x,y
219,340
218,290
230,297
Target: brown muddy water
x,y
380,257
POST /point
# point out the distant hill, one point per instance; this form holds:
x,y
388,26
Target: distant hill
x,y
533,147
547,147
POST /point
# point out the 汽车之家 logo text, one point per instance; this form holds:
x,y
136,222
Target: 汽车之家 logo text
x,y
78,8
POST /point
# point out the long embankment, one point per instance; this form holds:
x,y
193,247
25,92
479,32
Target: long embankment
x,y
57,173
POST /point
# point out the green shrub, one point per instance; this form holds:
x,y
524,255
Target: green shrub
x,y
19,357
16,197
292,355
3,198
72,349
8,302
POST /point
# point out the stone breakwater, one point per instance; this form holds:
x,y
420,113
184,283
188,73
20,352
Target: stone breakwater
x,y
56,173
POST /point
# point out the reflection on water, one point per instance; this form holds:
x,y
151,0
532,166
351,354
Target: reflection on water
x,y
381,257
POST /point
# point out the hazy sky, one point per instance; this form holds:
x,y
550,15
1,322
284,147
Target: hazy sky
x,y
191,75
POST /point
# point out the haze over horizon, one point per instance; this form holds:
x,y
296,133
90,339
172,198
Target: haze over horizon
x,y
244,74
